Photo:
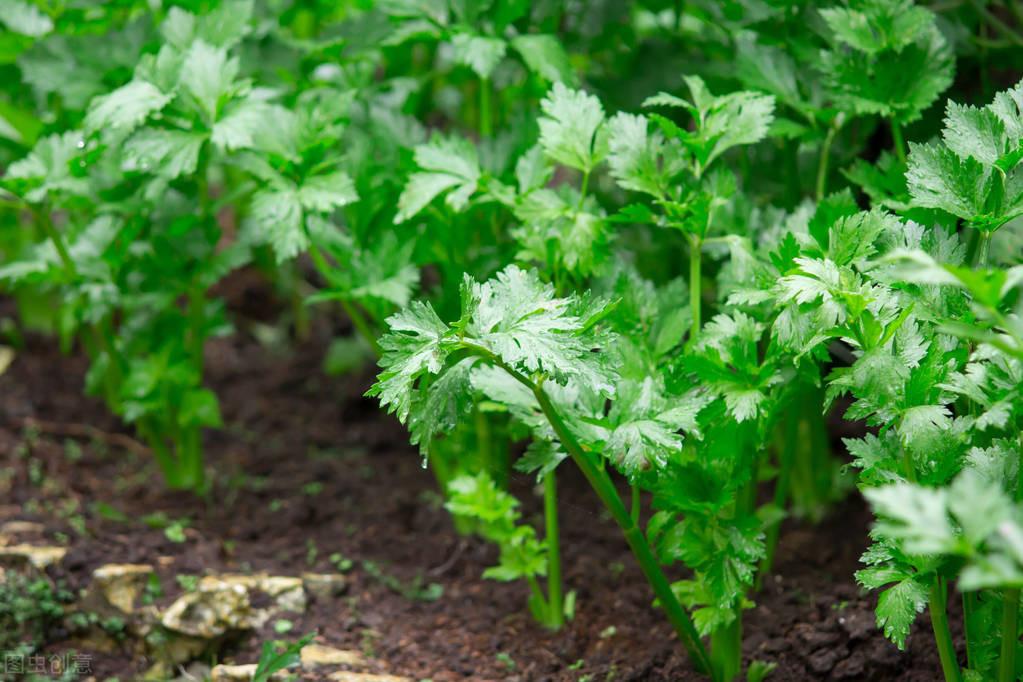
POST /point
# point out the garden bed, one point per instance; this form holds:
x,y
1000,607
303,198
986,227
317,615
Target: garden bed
x,y
311,476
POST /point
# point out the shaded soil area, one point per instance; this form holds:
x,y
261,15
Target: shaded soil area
x,y
307,470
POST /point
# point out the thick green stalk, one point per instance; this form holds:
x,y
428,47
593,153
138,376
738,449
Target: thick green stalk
x,y
897,141
822,163
695,264
605,489
486,124
726,650
555,600
357,318
970,603
784,444
483,442
637,503
938,608
582,190
1010,606
1010,636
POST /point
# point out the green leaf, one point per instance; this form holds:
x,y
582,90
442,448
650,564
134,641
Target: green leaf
x,y
24,18
570,127
880,25
412,348
898,607
914,517
450,163
240,124
223,26
278,212
642,161
544,56
208,76
166,153
48,168
738,118
972,132
938,178
646,425
200,408
270,661
519,319
896,84
480,53
324,193
125,108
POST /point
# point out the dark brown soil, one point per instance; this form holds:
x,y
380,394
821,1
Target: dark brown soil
x,y
306,468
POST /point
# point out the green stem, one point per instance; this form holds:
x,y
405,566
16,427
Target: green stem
x,y
360,323
555,601
483,442
822,163
938,608
983,250
196,304
100,333
637,503
995,21
486,125
605,489
781,494
1010,636
357,318
1010,603
726,650
58,242
582,190
897,141
534,587
970,603
695,263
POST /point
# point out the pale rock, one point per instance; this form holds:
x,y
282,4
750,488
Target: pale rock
x,y
240,673
325,586
287,592
215,607
345,676
233,673
120,585
315,655
22,528
22,556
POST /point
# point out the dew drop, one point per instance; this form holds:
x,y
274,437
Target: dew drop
x,y
423,463
80,144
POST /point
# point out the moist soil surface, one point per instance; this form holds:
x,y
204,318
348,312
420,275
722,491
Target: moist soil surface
x,y
306,468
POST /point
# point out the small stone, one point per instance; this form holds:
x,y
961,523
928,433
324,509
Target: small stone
x,y
325,586
214,608
20,556
345,676
121,584
233,673
177,648
22,528
315,655
286,591
196,670
239,673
